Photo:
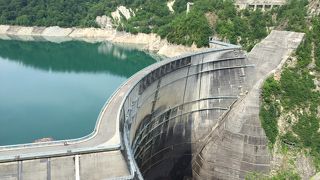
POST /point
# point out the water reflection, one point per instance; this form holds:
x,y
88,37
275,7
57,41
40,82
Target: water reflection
x,y
75,56
108,48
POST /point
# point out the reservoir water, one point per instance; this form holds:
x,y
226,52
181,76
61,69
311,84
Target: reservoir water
x,y
57,90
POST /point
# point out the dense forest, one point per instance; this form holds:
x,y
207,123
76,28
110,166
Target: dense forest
x,y
206,18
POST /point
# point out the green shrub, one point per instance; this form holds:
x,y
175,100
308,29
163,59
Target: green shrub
x,y
296,88
269,111
269,114
190,28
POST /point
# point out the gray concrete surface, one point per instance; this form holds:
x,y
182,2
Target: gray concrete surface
x,y
93,166
239,144
186,103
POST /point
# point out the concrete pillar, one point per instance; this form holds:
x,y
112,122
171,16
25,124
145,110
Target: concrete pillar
x,y
189,4
77,167
260,6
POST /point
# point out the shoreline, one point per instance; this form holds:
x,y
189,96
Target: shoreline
x,y
148,42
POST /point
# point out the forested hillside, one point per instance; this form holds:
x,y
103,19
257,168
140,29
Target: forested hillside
x,y
290,111
64,13
206,18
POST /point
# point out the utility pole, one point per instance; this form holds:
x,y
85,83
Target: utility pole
x,y
189,4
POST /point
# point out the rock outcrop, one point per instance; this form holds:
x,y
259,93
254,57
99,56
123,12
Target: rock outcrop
x,y
104,22
314,7
122,11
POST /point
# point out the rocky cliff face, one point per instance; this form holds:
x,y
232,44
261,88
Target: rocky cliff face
x,y
122,11
314,7
104,22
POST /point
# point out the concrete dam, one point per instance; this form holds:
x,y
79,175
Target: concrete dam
x,y
191,117
170,115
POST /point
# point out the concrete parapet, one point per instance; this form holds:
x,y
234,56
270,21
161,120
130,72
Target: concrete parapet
x,y
259,4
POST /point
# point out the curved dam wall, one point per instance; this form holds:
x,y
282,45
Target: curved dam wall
x,y
169,116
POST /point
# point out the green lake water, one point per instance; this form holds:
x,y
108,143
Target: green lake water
x,y
58,89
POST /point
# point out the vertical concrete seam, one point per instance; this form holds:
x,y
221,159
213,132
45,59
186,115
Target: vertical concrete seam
x,y
19,170
155,97
152,111
200,79
77,167
49,169
184,92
